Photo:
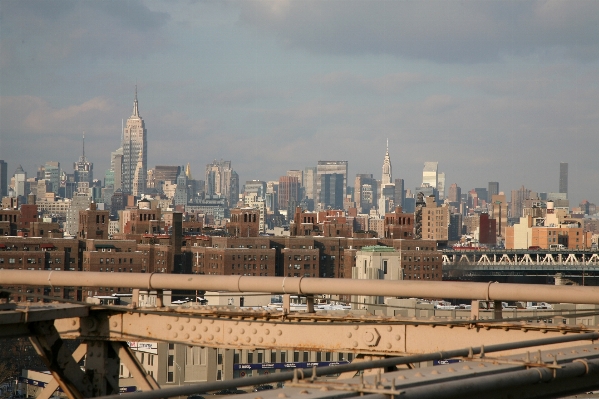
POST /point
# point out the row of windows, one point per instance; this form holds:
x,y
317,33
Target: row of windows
x,y
120,269
111,260
299,257
298,267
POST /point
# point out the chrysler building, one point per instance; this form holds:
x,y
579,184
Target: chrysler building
x,y
387,193
135,153
386,179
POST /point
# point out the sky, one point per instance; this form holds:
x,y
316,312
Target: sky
x,y
491,90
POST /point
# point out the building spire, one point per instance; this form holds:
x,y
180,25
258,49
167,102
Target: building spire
x,y
135,110
83,144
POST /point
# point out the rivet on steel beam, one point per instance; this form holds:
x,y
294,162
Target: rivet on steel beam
x,y
241,331
211,321
273,340
217,329
348,335
176,319
247,339
356,327
181,327
229,330
200,321
355,344
266,332
279,332
199,336
260,339
193,328
114,324
389,346
389,328
168,326
210,337
418,374
397,337
73,322
204,328
186,336
254,331
451,370
175,335
304,392
466,368
435,372
235,338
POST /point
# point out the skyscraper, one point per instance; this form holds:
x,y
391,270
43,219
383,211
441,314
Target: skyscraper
x,y
135,153
289,188
309,182
222,181
52,174
441,186
493,189
84,170
387,175
20,182
387,195
3,179
563,178
430,174
336,187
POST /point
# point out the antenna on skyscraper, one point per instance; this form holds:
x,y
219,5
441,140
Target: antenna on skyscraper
x,y
84,144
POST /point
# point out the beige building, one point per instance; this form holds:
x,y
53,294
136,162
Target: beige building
x,y
375,263
552,232
435,221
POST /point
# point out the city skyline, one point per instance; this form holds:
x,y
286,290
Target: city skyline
x,y
492,91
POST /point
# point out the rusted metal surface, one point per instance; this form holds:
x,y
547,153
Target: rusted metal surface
x,y
235,328
308,286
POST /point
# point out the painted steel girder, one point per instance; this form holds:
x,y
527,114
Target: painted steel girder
x,y
310,332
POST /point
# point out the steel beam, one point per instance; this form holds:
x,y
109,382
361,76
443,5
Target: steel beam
x,y
53,385
235,329
14,318
308,286
65,370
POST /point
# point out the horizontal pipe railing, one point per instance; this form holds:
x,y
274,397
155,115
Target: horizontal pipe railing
x,y
307,286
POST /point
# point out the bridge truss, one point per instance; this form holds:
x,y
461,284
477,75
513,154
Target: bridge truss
x,y
533,358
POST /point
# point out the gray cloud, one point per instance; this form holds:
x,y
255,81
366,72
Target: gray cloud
x,y
52,32
436,30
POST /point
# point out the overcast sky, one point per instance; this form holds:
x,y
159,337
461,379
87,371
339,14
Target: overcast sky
x,y
492,90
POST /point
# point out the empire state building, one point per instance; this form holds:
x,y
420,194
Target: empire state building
x,y
135,153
